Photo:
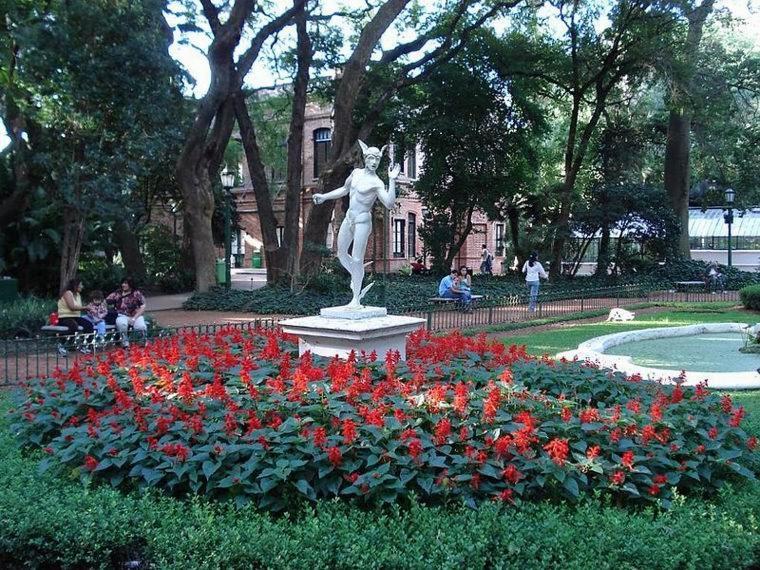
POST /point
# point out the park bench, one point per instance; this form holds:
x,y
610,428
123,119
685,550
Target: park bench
x,y
447,300
83,342
687,285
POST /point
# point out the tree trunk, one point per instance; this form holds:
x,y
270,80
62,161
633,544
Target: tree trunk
x,y
513,216
71,246
676,165
291,233
129,246
603,255
677,177
344,131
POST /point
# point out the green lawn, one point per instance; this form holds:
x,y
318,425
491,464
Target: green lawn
x,y
570,336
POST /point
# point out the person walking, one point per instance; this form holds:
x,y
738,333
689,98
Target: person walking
x,y
533,272
486,261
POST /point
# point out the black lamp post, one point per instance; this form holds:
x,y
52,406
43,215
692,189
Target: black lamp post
x,y
728,217
228,181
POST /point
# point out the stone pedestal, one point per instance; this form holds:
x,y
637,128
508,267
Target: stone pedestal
x,y
329,336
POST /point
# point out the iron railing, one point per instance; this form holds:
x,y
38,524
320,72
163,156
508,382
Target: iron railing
x,y
35,357
25,358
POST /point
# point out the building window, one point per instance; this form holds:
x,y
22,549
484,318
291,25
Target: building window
x,y
412,246
398,237
280,235
411,164
499,239
322,138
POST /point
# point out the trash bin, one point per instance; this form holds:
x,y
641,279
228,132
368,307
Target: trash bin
x,y
221,274
256,259
8,289
239,259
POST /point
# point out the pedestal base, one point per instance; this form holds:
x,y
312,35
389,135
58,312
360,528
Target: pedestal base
x,y
353,313
339,336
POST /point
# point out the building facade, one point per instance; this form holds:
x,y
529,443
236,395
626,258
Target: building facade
x,y
395,240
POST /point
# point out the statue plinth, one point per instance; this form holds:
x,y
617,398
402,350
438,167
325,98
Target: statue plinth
x,y
353,313
332,337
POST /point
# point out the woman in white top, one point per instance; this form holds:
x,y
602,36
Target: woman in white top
x,y
533,272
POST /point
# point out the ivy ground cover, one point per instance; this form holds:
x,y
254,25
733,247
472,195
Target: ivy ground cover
x,y
237,415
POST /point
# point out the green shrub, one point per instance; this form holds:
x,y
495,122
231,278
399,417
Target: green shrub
x,y
694,270
53,522
396,292
750,297
24,317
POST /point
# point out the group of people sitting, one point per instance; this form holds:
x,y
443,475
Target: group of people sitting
x,y
123,308
458,283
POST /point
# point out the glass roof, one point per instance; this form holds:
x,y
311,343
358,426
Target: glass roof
x,y
710,223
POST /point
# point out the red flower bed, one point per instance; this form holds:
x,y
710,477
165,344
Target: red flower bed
x,y
238,414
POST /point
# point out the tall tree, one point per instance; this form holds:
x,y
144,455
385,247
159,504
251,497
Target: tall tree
x,y
207,138
365,88
478,147
677,149
91,87
580,71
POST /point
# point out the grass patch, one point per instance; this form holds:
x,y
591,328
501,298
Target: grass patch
x,y
567,338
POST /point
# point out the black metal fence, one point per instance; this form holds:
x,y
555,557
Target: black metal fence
x,y
34,357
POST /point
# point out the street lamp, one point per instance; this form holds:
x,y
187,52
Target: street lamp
x,y
728,217
228,181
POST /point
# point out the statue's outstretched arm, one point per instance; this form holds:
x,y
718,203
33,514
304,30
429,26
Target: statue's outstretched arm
x,y
334,194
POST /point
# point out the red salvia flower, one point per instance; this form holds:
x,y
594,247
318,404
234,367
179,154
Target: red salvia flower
x,y
627,459
566,414
618,478
511,474
90,463
558,450
442,431
593,452
348,428
334,456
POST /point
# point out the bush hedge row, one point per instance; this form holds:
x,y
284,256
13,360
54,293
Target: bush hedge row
x,y
50,522
403,293
750,297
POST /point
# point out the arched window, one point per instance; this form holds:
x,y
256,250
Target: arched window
x,y
322,138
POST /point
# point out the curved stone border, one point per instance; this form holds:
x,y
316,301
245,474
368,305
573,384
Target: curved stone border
x,y
593,351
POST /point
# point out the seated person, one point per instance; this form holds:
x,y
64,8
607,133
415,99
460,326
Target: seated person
x,y
418,268
96,312
715,279
130,306
451,287
70,308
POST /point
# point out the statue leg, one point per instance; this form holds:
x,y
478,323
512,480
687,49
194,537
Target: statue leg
x,y
361,236
345,237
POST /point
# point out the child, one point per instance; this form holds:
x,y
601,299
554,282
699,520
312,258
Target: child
x,y
96,312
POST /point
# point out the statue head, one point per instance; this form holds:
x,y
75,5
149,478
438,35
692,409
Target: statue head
x,y
372,155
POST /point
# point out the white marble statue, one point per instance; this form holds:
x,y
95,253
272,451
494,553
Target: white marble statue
x,y
363,187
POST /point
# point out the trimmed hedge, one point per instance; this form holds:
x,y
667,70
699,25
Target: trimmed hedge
x,y
52,522
750,297
404,293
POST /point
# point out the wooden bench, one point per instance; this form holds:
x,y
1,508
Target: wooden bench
x,y
446,300
686,285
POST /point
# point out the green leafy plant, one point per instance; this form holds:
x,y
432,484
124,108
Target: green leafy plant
x,y
238,416
750,297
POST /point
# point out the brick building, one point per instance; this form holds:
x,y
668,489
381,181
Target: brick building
x,y
395,241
